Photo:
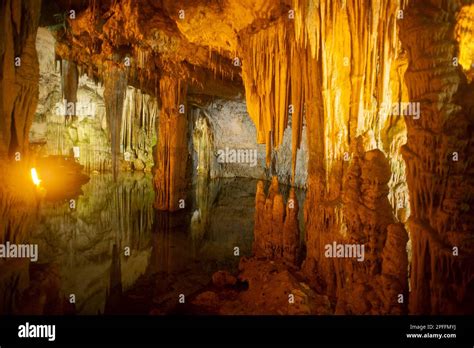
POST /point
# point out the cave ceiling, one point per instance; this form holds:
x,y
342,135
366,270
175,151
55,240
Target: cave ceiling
x,y
196,41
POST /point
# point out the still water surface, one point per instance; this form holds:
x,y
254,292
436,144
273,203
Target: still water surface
x,y
116,254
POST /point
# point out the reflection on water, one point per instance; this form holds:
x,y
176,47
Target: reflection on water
x,y
115,254
81,240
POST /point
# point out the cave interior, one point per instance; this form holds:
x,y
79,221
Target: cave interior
x,y
237,157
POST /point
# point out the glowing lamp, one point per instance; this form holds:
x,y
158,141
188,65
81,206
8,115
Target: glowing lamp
x,y
34,176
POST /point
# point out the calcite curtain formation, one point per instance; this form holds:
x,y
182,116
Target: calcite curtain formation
x,y
354,43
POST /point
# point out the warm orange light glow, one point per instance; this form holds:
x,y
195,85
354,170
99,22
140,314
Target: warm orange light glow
x,y
34,176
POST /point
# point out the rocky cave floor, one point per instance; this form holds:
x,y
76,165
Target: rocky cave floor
x,y
261,287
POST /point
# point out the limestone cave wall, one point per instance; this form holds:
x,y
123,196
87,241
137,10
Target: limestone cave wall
x,y
59,127
438,154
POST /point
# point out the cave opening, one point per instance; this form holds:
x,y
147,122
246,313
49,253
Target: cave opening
x,y
304,157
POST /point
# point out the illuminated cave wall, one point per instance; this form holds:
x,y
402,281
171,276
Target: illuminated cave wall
x,y
439,154
60,126
464,35
223,128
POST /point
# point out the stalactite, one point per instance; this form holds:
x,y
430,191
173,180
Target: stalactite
x,y
279,92
266,83
115,84
353,95
352,67
355,45
69,86
172,148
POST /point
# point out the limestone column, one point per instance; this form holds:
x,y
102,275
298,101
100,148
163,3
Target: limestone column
x,y
115,87
172,146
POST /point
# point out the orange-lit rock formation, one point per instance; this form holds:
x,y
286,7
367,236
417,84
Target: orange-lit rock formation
x,y
276,232
171,149
439,156
115,86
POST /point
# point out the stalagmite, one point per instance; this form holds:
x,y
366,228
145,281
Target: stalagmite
x,y
115,84
371,283
171,149
350,48
276,230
